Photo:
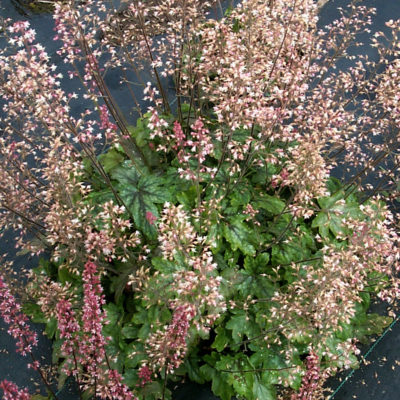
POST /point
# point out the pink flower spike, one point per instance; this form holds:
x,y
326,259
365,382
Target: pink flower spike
x,y
310,380
69,328
17,321
93,316
179,135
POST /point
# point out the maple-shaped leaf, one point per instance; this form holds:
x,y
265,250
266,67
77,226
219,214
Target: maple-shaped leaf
x,y
238,234
140,194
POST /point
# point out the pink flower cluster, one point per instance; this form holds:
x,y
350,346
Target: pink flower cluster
x,y
11,313
196,284
157,124
176,233
200,287
194,147
108,127
12,392
116,390
144,375
197,147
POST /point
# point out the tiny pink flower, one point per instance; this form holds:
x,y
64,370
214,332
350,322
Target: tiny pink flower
x,y
144,375
151,218
284,174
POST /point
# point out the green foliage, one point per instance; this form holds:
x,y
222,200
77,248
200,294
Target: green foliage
x,y
113,158
238,234
334,210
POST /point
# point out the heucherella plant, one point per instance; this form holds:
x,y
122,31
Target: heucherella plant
x,y
211,239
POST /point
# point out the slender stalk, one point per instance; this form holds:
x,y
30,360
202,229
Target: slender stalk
x,y
159,84
282,42
238,371
77,379
165,382
42,376
24,217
